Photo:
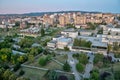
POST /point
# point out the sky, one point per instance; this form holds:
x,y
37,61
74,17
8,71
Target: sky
x,y
27,6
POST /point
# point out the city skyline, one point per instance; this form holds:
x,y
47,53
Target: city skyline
x,y
27,6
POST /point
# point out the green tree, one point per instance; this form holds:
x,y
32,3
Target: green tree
x,y
5,54
16,66
8,39
79,67
46,52
17,23
115,46
66,67
21,72
34,51
81,43
31,58
100,31
14,58
83,58
1,72
98,58
109,48
42,32
76,42
66,48
118,18
117,75
7,74
51,75
13,77
95,75
92,26
22,58
25,43
109,33
42,61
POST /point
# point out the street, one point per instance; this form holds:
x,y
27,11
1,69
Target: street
x,y
72,63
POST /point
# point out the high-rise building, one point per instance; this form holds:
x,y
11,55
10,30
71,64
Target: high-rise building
x,y
80,19
62,20
47,19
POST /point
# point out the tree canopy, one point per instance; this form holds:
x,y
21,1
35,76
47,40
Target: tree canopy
x,y
82,43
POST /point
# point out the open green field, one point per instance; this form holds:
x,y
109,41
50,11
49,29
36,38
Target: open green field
x,y
50,65
34,74
116,67
61,58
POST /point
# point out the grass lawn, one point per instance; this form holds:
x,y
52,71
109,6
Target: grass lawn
x,y
116,67
61,58
50,65
34,74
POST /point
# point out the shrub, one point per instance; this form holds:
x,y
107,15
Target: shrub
x,y
66,48
66,67
43,61
79,67
17,66
21,72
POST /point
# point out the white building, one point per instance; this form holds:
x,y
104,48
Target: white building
x,y
2,26
52,44
86,32
110,39
96,42
63,42
58,37
70,33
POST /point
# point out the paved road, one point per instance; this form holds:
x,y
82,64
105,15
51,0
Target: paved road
x,y
113,57
72,63
89,66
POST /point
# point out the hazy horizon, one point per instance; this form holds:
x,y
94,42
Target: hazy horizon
x,y
31,6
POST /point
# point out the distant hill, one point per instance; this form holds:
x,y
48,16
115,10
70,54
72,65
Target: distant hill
x,y
42,13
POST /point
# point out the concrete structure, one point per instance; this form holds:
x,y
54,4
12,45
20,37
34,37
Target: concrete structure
x,y
57,37
86,32
63,42
62,20
52,44
70,33
48,19
23,25
109,38
80,19
96,42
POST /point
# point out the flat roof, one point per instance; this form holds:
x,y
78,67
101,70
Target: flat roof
x,y
86,31
115,29
99,44
92,39
57,36
70,30
64,39
52,41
